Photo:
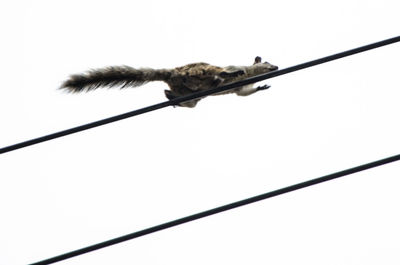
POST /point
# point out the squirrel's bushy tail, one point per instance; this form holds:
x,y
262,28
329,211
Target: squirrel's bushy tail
x,y
114,76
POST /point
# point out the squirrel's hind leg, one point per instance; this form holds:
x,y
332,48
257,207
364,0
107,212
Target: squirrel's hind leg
x,y
172,95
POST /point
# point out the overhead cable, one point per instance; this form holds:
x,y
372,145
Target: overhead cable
x,y
200,94
220,209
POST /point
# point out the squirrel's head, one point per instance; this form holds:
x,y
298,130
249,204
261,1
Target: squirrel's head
x,y
259,67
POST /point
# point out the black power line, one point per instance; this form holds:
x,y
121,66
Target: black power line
x,y
196,95
218,210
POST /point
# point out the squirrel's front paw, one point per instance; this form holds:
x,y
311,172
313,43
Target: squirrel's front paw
x,y
264,87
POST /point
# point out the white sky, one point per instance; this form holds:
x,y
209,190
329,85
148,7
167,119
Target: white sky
x,y
89,187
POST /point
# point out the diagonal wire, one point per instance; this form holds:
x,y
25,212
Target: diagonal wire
x,y
196,95
218,210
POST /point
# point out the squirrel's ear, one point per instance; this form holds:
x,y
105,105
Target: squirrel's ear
x,y
257,60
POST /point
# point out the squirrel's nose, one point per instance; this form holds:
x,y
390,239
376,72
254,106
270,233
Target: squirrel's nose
x,y
273,67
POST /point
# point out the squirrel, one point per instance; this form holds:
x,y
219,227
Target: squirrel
x,y
181,80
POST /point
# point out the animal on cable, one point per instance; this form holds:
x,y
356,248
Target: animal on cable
x,y
181,80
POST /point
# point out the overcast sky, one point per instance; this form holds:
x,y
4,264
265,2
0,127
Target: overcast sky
x,y
116,179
